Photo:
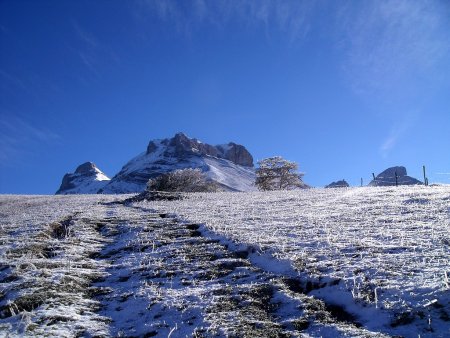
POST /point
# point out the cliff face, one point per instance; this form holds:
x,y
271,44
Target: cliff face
x,y
181,146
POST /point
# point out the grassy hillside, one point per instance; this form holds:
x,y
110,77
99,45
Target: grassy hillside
x,y
319,262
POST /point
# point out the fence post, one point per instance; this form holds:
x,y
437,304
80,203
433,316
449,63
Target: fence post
x,y
425,179
396,179
361,181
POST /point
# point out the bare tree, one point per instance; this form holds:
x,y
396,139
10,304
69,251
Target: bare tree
x,y
182,180
276,173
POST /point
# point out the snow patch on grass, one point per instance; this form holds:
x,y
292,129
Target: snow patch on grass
x,y
388,247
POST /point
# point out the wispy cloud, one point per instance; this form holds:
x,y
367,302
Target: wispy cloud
x,y
85,36
390,142
89,48
391,45
18,136
289,17
91,51
394,53
398,131
383,44
12,79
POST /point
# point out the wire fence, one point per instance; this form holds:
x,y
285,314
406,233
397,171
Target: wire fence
x,y
403,179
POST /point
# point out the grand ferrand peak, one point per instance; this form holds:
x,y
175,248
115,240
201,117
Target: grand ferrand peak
x,y
182,146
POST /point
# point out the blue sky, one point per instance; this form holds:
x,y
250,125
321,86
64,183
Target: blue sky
x,y
344,88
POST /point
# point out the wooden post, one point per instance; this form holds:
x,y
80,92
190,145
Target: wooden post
x,y
373,175
425,180
396,179
361,181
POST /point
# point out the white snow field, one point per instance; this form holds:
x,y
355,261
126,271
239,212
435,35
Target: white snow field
x,y
353,262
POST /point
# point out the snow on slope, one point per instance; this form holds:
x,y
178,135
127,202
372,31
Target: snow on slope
x,y
134,175
45,266
381,253
85,266
358,262
87,179
230,165
230,175
91,185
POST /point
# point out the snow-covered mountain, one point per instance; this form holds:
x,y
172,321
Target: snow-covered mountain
x,y
87,179
230,165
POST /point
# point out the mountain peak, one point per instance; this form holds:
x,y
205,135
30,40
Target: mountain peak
x,y
230,165
180,134
87,179
181,146
86,168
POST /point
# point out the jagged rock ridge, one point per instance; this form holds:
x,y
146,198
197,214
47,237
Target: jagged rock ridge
x,y
230,165
87,179
182,146
389,177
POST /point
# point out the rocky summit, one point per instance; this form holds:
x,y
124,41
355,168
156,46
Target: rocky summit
x,y
182,146
338,184
229,165
87,179
392,176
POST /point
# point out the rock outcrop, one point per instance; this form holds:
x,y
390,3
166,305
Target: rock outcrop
x,y
392,176
229,165
236,154
87,179
182,146
338,184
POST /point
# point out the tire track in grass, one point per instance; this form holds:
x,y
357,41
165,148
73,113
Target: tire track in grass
x,y
116,270
295,309
169,277
46,283
385,248
165,278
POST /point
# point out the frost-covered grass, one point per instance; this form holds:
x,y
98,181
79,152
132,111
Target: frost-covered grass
x,y
359,262
385,250
46,272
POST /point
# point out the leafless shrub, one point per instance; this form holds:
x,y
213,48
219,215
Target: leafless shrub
x,y
183,180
